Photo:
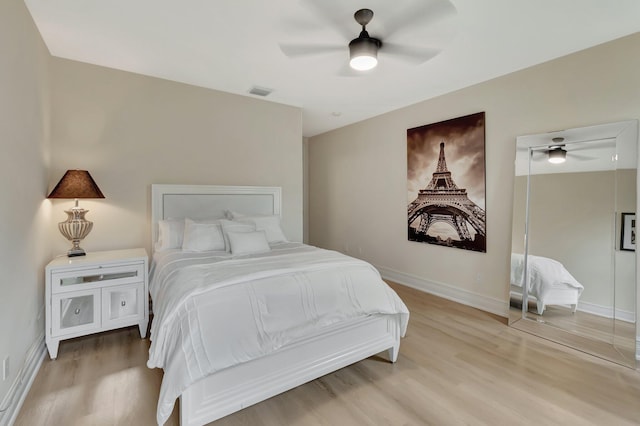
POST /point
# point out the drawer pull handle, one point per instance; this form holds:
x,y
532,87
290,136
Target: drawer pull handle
x,y
123,303
77,311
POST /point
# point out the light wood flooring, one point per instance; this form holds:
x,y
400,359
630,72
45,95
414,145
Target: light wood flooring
x,y
457,366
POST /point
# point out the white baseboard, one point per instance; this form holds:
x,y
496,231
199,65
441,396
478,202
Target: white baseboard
x,y
20,388
446,291
606,311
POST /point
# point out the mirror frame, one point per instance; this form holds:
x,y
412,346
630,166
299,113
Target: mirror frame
x,y
626,135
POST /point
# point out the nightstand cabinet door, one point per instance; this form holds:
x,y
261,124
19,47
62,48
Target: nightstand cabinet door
x,y
75,313
122,304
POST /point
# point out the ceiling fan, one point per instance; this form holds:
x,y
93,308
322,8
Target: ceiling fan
x,y
364,49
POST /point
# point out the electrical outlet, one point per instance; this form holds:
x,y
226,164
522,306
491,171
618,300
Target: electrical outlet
x,y
479,277
5,369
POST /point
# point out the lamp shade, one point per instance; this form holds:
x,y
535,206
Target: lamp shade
x,y
76,184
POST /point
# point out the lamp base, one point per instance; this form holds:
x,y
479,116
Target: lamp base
x,y
76,252
74,229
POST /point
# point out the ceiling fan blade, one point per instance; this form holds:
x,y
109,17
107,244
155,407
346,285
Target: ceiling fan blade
x,y
413,54
591,144
579,157
292,50
423,13
333,14
301,26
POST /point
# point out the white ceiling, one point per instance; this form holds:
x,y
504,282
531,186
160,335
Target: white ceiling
x,y
232,45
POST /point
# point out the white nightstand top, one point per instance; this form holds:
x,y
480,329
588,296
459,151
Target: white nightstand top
x,y
99,258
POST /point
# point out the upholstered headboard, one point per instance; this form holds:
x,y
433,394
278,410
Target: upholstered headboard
x,y
210,201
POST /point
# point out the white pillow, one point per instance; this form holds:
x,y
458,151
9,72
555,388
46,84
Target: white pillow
x,y
269,224
231,226
202,236
248,242
170,234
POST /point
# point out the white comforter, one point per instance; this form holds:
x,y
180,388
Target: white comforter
x,y
544,273
213,311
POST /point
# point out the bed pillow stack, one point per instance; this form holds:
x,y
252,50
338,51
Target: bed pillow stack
x,y
232,227
221,234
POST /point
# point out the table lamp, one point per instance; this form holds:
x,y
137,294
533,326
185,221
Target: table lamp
x,y
76,184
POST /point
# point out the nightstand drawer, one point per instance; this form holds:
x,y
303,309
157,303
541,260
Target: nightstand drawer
x,y
81,279
75,313
122,305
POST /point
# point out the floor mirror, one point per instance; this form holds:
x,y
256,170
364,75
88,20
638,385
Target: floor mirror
x,y
573,260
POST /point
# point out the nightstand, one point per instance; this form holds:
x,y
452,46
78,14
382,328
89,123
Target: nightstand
x,y
93,293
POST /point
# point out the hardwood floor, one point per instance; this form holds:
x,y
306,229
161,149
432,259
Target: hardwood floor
x,y
457,365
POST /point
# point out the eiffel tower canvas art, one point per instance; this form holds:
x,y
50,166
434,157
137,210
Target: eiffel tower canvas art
x,y
446,183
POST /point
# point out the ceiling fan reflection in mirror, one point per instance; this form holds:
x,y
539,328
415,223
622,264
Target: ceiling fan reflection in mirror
x,y
557,154
364,49
560,150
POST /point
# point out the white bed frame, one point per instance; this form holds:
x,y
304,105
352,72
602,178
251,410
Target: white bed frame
x,y
552,296
243,385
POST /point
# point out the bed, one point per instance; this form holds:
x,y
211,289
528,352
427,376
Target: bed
x,y
231,329
549,282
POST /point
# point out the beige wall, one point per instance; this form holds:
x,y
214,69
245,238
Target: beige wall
x,y
131,131
357,180
24,213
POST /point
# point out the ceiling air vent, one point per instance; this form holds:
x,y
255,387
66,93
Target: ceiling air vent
x,y
260,91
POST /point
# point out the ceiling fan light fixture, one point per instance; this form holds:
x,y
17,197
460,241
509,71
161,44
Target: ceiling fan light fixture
x,y
557,155
363,53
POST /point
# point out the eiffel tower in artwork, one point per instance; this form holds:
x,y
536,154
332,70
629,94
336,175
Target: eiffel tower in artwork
x,y
443,201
